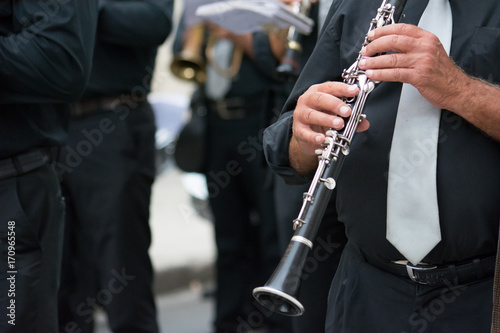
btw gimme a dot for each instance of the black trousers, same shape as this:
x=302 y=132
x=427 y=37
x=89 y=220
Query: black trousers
x=242 y=204
x=364 y=298
x=31 y=228
x=108 y=171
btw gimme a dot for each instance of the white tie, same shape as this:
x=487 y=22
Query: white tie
x=412 y=207
x=217 y=85
x=324 y=8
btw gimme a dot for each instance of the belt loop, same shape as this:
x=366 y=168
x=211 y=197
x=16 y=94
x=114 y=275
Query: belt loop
x=17 y=165
x=479 y=268
x=454 y=275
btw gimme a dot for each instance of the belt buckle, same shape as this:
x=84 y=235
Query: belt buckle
x=231 y=108
x=410 y=268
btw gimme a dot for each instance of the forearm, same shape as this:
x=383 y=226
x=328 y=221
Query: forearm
x=303 y=164
x=245 y=42
x=478 y=102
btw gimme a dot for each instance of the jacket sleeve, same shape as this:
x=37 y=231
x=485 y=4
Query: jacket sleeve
x=276 y=142
x=264 y=58
x=47 y=53
x=135 y=23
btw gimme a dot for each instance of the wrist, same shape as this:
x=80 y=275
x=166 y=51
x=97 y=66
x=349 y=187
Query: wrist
x=301 y=162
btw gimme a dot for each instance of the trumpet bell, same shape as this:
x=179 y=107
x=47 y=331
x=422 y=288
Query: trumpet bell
x=278 y=301
x=189 y=66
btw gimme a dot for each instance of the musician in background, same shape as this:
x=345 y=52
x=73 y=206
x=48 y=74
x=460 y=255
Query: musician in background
x=377 y=288
x=108 y=168
x=46 y=61
x=240 y=191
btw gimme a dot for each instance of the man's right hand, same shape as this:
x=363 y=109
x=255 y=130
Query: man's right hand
x=320 y=108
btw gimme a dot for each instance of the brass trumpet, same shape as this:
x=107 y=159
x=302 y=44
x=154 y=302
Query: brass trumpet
x=190 y=64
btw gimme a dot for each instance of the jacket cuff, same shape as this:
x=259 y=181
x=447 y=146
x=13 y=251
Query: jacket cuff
x=276 y=150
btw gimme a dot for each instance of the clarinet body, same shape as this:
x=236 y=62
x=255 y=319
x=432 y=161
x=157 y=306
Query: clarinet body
x=279 y=293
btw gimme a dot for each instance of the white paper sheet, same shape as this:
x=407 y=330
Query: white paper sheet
x=247 y=16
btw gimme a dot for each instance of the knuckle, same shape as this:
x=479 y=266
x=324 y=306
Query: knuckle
x=318 y=98
x=398 y=74
x=393 y=60
x=308 y=117
x=394 y=39
x=405 y=28
x=313 y=88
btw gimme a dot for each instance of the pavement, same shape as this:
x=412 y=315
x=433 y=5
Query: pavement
x=182 y=249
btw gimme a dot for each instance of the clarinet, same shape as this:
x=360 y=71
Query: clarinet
x=279 y=294
x=289 y=68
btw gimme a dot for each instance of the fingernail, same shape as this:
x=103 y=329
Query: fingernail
x=363 y=50
x=344 y=110
x=371 y=34
x=337 y=122
x=362 y=62
x=352 y=88
x=369 y=72
x=319 y=139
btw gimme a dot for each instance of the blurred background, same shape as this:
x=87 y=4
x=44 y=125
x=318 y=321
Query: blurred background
x=183 y=249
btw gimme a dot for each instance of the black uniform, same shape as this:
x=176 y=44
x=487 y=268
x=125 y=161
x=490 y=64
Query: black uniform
x=240 y=194
x=108 y=167
x=240 y=190
x=365 y=296
x=45 y=52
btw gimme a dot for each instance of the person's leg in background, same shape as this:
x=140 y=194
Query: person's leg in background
x=109 y=192
x=32 y=213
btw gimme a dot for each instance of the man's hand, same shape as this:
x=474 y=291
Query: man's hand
x=318 y=109
x=419 y=59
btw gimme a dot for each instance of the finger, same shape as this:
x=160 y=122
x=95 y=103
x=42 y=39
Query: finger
x=327 y=96
x=338 y=89
x=390 y=75
x=363 y=126
x=396 y=29
x=313 y=117
x=390 y=43
x=308 y=136
x=392 y=60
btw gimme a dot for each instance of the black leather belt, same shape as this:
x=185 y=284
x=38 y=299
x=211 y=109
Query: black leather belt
x=100 y=104
x=23 y=163
x=440 y=275
x=238 y=107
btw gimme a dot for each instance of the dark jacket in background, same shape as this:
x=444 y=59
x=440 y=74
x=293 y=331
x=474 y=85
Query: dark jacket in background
x=45 y=64
x=45 y=58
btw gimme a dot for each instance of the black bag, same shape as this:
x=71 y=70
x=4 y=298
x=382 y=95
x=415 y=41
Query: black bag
x=190 y=153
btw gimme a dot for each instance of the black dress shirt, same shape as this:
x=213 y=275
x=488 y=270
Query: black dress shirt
x=126 y=46
x=468 y=176
x=46 y=54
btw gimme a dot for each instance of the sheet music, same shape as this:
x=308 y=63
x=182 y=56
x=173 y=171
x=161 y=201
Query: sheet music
x=247 y=16
x=190 y=6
